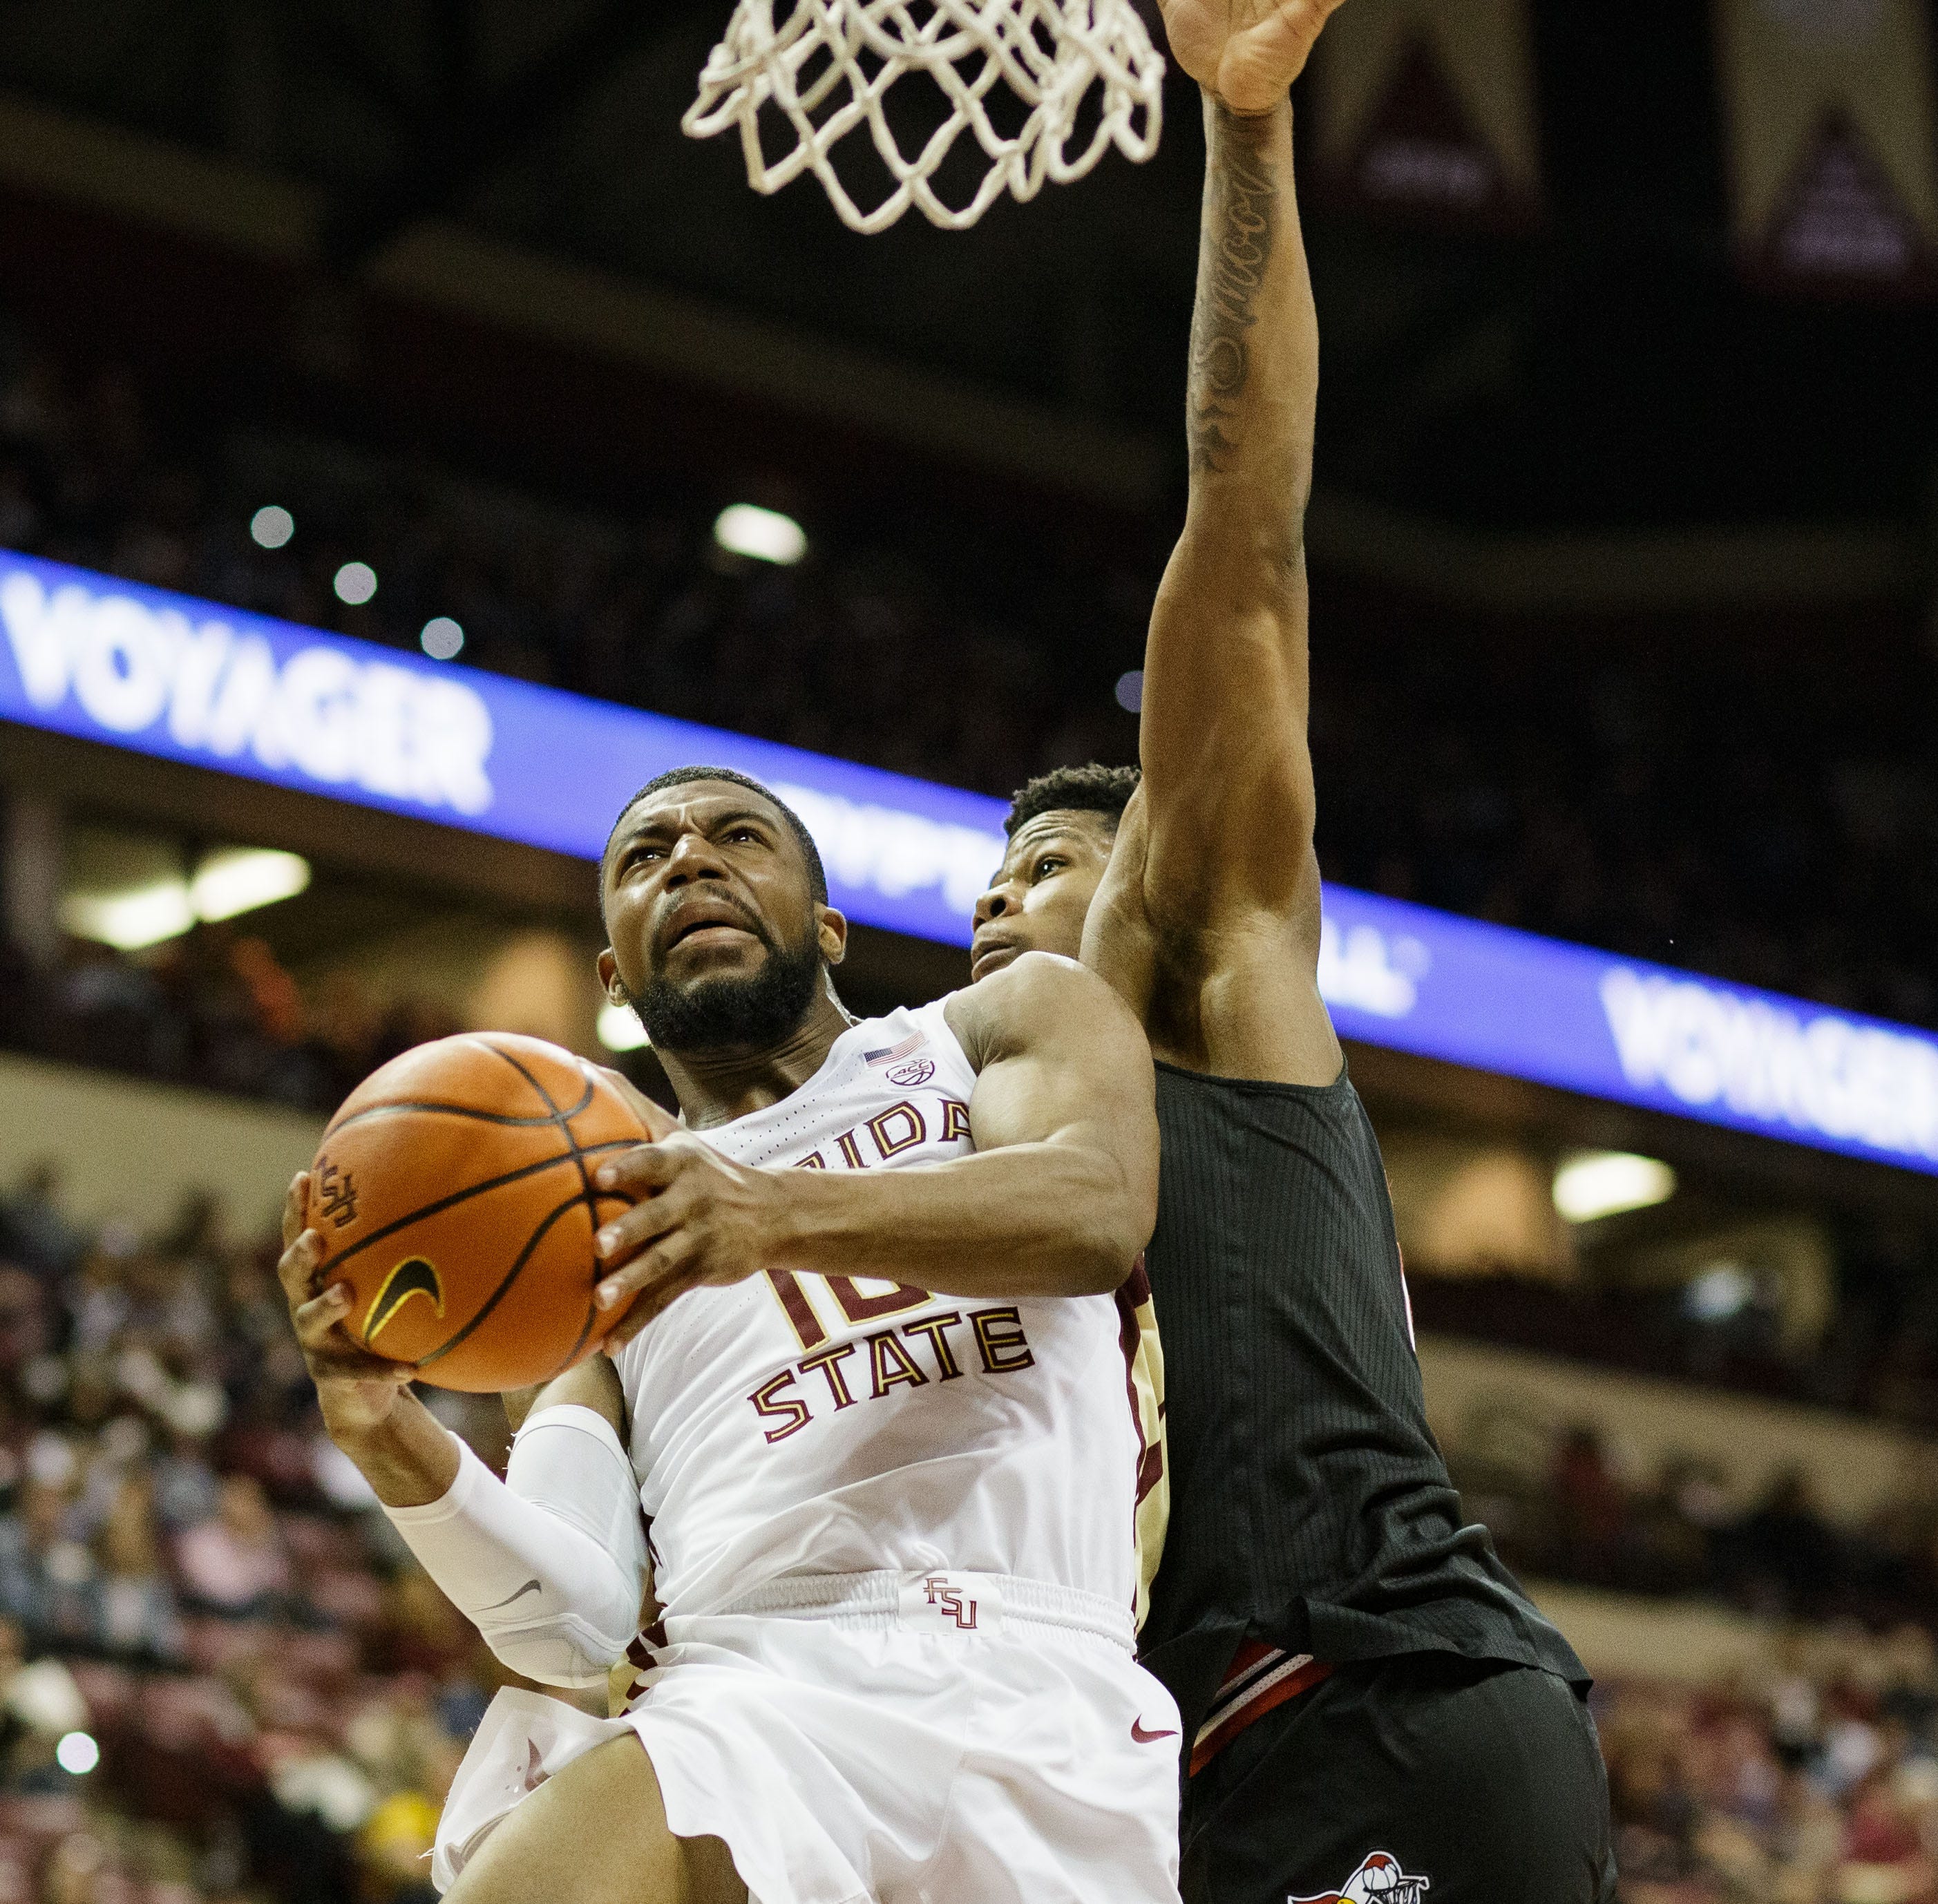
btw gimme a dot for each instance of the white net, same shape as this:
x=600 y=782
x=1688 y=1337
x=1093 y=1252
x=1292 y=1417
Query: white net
x=1015 y=74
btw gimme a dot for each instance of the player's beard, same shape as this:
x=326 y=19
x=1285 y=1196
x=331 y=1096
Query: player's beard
x=733 y=1014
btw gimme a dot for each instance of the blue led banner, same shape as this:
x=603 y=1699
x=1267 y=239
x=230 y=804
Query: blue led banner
x=1453 y=988
x=167 y=675
x=136 y=667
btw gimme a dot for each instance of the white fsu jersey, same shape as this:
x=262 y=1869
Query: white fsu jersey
x=794 y=1425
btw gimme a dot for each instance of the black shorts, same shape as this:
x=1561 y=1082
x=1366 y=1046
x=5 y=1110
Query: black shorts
x=1424 y=1779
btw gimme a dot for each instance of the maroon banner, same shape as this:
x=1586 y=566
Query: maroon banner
x=1425 y=110
x=1833 y=145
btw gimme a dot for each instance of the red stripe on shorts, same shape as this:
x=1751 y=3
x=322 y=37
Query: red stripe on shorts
x=1260 y=1679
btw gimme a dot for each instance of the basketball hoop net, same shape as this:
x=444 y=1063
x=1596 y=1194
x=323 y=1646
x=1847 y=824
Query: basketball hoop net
x=828 y=65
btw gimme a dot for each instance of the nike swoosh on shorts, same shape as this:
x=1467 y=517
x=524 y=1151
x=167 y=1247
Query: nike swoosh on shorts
x=529 y=1586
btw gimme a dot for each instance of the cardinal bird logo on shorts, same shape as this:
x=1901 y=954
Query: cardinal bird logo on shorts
x=412 y=1277
x=1379 y=1881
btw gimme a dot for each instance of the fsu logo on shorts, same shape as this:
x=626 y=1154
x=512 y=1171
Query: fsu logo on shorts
x=1379 y=1881
x=950 y=1602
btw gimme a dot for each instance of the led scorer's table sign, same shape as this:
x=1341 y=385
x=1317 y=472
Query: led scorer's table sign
x=168 y=675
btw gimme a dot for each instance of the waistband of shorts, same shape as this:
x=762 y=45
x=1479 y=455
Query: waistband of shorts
x=884 y=1597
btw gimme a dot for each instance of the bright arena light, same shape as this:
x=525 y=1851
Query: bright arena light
x=77 y=1753
x=1130 y=690
x=1715 y=1294
x=272 y=526
x=442 y=638
x=620 y=1029
x=744 y=529
x=239 y=879
x=131 y=918
x=1593 y=1183
x=355 y=583
x=232 y=879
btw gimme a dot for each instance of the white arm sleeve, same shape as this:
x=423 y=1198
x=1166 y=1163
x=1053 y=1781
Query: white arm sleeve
x=550 y=1563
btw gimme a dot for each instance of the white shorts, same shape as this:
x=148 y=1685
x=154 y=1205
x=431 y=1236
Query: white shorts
x=882 y=1739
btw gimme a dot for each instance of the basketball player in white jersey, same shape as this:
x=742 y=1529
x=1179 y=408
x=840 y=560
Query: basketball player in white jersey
x=870 y=1391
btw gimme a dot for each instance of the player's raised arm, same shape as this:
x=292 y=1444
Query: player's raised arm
x=1059 y=1198
x=1227 y=806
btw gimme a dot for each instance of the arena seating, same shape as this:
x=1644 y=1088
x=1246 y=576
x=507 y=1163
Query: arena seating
x=192 y=1577
x=1814 y=1780
x=1532 y=781
x=189 y=1575
x=212 y=1008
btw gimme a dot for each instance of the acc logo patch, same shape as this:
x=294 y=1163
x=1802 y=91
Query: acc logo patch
x=414 y=1276
x=1379 y=1881
x=917 y=1070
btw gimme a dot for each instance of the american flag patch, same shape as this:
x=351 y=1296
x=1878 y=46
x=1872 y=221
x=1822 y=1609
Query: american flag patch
x=896 y=1053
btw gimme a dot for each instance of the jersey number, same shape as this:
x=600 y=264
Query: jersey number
x=806 y=1324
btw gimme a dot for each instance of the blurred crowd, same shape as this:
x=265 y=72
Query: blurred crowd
x=221 y=1677
x=1759 y=802
x=1564 y=1505
x=213 y=1008
x=1874 y=1351
x=841 y=655
x=1812 y=1779
x=222 y=1681
x=1740 y=804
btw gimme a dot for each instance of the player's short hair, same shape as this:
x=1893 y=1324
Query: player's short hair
x=1091 y=789
x=680 y=776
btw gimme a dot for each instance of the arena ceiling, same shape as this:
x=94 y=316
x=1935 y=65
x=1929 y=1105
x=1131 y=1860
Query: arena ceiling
x=1607 y=371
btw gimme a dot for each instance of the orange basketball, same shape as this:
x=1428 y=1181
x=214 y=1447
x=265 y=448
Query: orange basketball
x=453 y=1193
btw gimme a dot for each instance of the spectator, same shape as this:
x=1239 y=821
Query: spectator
x=33 y=1232
x=186 y=1490
x=136 y=1616
x=1884 y=1856
x=235 y=1565
x=1788 y=1555
x=1592 y=1505
x=44 y=1573
x=1654 y=1814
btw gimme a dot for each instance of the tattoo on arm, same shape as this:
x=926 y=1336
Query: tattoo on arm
x=1239 y=230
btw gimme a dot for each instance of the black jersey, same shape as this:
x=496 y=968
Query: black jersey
x=1310 y=1506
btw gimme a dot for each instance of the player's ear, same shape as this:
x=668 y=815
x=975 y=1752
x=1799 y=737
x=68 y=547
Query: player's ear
x=609 y=980
x=831 y=931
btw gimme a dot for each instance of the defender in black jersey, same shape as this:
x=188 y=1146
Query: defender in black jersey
x=1374 y=1709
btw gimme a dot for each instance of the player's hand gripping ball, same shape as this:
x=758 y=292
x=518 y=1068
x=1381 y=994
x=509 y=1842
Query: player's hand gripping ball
x=453 y=1192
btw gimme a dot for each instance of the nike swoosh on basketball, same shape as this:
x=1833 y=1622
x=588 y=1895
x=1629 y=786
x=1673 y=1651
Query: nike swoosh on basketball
x=1140 y=1736
x=529 y=1586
